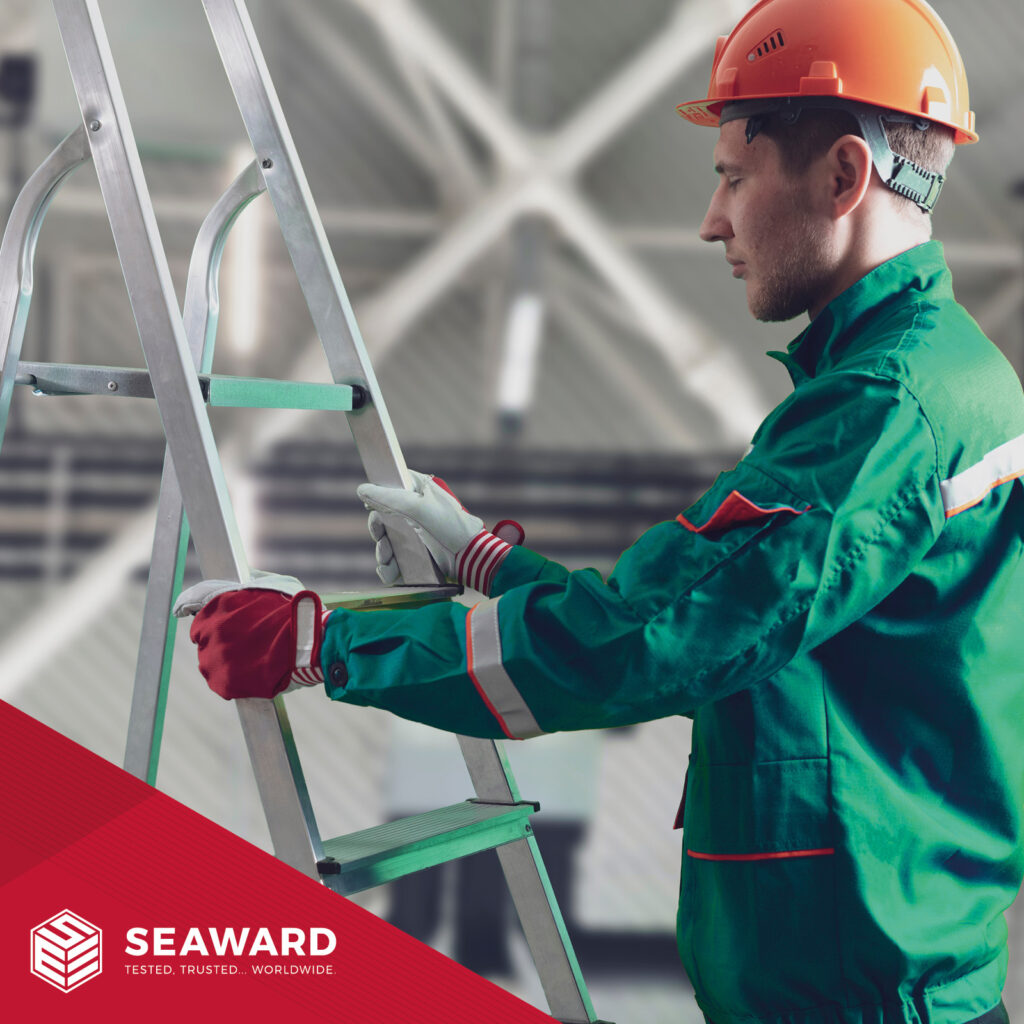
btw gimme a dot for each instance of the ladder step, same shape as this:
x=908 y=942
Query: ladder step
x=216 y=389
x=383 y=853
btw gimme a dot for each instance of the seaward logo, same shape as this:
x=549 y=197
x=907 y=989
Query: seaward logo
x=66 y=951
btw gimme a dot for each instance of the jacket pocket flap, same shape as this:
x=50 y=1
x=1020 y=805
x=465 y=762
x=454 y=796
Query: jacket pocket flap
x=737 y=510
x=758 y=811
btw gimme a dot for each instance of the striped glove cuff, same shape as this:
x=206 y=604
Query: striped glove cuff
x=478 y=561
x=309 y=623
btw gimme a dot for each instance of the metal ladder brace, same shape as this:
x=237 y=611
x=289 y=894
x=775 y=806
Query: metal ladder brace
x=179 y=354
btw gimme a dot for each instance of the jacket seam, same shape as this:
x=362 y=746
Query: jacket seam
x=881 y=372
x=957 y=980
x=861 y=1006
x=898 y=504
x=940 y=458
x=750 y=764
x=775 y=480
x=818 y=1006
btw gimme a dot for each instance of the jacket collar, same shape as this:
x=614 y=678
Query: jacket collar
x=840 y=325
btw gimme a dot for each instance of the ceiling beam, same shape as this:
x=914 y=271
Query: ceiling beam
x=597 y=347
x=537 y=178
x=686 y=39
x=330 y=45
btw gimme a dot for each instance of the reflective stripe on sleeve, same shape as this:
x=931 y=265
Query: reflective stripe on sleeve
x=487 y=670
x=999 y=466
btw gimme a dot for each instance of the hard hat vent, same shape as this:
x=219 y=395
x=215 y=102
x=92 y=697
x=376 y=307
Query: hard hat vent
x=769 y=45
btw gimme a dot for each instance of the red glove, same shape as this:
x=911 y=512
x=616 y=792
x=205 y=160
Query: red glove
x=257 y=643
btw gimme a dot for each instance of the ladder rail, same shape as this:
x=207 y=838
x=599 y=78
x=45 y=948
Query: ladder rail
x=314 y=263
x=376 y=442
x=193 y=457
x=171 y=536
x=276 y=766
x=536 y=906
x=156 y=643
x=281 y=783
x=150 y=289
x=546 y=935
x=186 y=425
x=17 y=255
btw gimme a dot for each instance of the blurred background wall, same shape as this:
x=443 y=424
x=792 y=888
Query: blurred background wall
x=513 y=204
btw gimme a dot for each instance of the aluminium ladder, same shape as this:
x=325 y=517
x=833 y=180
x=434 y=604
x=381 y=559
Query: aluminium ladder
x=178 y=351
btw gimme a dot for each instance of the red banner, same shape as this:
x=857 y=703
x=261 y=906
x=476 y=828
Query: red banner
x=116 y=900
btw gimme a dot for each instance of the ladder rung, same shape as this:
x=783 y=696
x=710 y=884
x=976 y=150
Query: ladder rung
x=216 y=389
x=381 y=854
x=255 y=393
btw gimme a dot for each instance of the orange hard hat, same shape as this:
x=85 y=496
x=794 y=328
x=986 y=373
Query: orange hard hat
x=895 y=54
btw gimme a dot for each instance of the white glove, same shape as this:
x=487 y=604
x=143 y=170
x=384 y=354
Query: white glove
x=192 y=599
x=456 y=539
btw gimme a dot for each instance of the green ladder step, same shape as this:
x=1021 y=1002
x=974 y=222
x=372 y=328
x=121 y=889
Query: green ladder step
x=362 y=860
x=217 y=389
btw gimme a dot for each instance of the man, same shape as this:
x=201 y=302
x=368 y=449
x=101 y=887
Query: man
x=837 y=613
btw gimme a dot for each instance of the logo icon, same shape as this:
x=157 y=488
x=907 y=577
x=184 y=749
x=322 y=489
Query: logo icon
x=66 y=951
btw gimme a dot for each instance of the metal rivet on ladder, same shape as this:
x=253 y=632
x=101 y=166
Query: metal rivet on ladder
x=95 y=126
x=111 y=385
x=267 y=164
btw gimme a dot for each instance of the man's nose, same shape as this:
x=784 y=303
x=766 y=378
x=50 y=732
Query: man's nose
x=716 y=227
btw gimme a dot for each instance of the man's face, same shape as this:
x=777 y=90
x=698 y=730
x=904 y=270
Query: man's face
x=772 y=237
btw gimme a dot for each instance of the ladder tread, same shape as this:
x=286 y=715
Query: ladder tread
x=385 y=852
x=216 y=388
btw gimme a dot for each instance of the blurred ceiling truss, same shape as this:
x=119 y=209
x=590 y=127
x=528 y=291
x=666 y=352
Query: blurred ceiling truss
x=607 y=292
x=532 y=176
x=537 y=175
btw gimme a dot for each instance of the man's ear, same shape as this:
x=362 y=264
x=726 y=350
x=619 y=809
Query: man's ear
x=849 y=168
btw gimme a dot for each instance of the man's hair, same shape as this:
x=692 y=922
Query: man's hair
x=801 y=143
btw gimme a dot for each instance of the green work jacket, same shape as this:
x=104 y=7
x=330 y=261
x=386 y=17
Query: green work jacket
x=842 y=614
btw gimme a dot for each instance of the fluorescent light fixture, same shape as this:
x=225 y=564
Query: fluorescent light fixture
x=522 y=347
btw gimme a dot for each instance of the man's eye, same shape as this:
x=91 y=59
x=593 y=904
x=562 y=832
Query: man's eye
x=733 y=182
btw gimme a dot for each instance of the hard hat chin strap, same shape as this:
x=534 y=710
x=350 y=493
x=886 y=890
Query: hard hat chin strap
x=900 y=174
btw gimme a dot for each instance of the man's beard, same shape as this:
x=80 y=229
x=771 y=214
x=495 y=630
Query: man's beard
x=797 y=279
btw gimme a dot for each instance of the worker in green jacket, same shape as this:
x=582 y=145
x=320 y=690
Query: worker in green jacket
x=839 y=613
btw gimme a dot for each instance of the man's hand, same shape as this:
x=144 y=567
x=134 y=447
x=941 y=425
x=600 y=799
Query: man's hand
x=258 y=639
x=456 y=539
